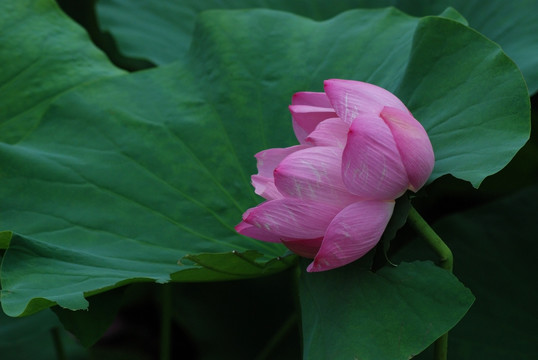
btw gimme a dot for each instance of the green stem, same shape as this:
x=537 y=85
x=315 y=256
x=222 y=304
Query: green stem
x=440 y=348
x=166 y=321
x=291 y=322
x=277 y=337
x=446 y=261
x=58 y=345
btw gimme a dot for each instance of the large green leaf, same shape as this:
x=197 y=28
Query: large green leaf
x=353 y=313
x=141 y=177
x=53 y=44
x=494 y=248
x=161 y=30
x=455 y=145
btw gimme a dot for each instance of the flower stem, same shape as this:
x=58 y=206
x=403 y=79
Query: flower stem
x=289 y=324
x=166 y=321
x=446 y=261
x=277 y=337
x=58 y=344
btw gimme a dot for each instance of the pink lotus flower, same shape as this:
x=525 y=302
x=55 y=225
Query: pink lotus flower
x=331 y=197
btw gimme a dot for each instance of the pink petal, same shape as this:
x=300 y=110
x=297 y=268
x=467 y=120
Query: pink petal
x=265 y=187
x=413 y=144
x=256 y=233
x=314 y=174
x=371 y=163
x=268 y=160
x=307 y=248
x=352 y=233
x=318 y=99
x=330 y=132
x=292 y=218
x=306 y=118
x=353 y=98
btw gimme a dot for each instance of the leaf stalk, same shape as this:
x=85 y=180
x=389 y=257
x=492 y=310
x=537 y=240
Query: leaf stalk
x=166 y=321
x=446 y=261
x=58 y=344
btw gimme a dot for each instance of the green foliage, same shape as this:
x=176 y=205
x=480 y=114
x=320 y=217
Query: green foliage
x=90 y=325
x=445 y=104
x=41 y=61
x=494 y=250
x=109 y=178
x=126 y=175
x=353 y=313
x=31 y=338
x=5 y=239
x=146 y=29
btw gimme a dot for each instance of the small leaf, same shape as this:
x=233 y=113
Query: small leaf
x=230 y=266
x=494 y=249
x=395 y=313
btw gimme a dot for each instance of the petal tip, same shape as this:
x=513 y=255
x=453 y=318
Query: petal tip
x=319 y=265
x=328 y=82
x=239 y=228
x=312 y=268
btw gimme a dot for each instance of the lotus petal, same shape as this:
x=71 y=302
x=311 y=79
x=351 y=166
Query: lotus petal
x=255 y=232
x=318 y=99
x=352 y=233
x=268 y=160
x=307 y=248
x=353 y=98
x=371 y=163
x=305 y=118
x=314 y=174
x=292 y=218
x=413 y=144
x=330 y=132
